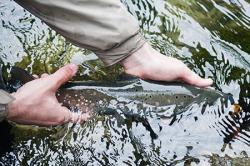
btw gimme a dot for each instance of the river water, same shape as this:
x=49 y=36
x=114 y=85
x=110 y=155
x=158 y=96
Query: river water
x=210 y=36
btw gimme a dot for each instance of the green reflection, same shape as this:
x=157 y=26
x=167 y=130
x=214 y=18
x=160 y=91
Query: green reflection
x=211 y=37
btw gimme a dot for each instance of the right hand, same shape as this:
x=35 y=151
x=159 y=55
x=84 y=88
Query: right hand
x=147 y=63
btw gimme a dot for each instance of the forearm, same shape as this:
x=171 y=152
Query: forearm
x=104 y=27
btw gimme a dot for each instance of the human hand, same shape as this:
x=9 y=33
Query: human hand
x=147 y=63
x=35 y=102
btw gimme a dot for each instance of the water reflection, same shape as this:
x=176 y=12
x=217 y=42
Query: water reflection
x=210 y=36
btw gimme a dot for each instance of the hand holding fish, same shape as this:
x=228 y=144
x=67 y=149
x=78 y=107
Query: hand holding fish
x=148 y=63
x=35 y=102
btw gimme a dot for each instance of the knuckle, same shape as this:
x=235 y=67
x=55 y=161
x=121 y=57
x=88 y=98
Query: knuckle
x=61 y=120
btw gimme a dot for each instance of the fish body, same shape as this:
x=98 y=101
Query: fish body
x=158 y=95
x=87 y=94
x=115 y=98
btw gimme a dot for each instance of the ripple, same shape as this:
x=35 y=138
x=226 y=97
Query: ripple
x=211 y=37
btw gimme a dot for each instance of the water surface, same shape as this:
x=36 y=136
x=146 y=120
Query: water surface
x=211 y=37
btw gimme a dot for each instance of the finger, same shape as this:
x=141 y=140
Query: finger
x=74 y=117
x=44 y=75
x=194 y=79
x=35 y=76
x=62 y=75
x=79 y=117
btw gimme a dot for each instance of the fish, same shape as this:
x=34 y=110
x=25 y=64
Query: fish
x=85 y=94
x=108 y=97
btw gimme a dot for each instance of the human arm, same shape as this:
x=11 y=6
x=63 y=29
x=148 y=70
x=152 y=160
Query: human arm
x=106 y=28
x=102 y=26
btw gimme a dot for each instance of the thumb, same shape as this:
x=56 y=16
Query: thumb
x=62 y=75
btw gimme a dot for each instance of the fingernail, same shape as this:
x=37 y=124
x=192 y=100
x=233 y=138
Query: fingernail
x=210 y=80
x=74 y=68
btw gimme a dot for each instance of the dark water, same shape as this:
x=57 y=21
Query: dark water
x=210 y=36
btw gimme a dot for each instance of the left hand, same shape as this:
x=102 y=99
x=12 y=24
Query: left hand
x=35 y=102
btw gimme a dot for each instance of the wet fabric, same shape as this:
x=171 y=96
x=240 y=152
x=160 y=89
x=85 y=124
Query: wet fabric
x=104 y=27
x=5 y=98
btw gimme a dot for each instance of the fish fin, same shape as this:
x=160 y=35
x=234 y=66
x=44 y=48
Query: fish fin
x=19 y=74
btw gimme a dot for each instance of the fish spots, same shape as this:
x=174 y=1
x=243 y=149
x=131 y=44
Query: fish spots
x=82 y=101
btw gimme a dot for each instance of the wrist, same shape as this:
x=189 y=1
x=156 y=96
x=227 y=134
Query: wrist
x=10 y=111
x=5 y=100
x=12 y=108
x=3 y=112
x=138 y=63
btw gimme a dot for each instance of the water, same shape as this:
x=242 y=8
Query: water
x=211 y=37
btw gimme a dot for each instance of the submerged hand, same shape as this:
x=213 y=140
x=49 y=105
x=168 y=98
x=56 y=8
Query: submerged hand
x=147 y=63
x=35 y=102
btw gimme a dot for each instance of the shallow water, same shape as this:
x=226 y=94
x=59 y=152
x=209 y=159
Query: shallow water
x=211 y=37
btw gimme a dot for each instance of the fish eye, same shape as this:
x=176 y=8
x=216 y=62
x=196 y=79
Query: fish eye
x=185 y=96
x=176 y=97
